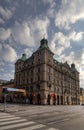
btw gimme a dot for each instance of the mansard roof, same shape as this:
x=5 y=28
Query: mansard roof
x=66 y=65
x=30 y=59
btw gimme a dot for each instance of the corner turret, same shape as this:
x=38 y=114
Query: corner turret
x=23 y=58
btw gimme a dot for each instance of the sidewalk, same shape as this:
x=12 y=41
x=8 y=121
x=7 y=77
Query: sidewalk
x=8 y=108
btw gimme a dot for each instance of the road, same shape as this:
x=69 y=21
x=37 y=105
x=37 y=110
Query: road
x=33 y=117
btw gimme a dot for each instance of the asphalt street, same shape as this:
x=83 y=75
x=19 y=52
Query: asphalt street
x=34 y=117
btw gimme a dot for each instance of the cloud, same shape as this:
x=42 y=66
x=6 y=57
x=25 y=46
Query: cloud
x=28 y=52
x=69 y=13
x=28 y=32
x=7 y=53
x=41 y=25
x=51 y=11
x=76 y=57
x=1 y=21
x=4 y=34
x=5 y=13
x=7 y=76
x=21 y=34
x=74 y=36
x=48 y=2
x=60 y=42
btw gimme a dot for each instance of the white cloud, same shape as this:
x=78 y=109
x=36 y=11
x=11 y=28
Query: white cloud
x=28 y=52
x=41 y=25
x=8 y=76
x=70 y=12
x=7 y=53
x=2 y=63
x=1 y=21
x=51 y=2
x=76 y=36
x=4 y=34
x=28 y=32
x=5 y=13
x=69 y=58
x=51 y=11
x=21 y=34
x=60 y=42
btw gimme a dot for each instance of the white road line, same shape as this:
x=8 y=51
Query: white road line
x=16 y=125
x=8 y=119
x=2 y=114
x=6 y=116
x=33 y=127
x=52 y=129
x=14 y=121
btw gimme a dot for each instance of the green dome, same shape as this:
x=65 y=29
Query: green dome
x=23 y=57
x=44 y=44
x=73 y=67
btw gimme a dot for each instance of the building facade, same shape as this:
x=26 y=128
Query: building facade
x=81 y=96
x=46 y=80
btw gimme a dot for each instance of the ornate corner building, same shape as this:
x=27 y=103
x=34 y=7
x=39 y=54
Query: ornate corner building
x=46 y=80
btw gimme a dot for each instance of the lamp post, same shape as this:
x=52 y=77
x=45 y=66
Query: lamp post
x=5 y=95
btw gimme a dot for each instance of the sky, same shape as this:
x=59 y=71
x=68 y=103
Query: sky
x=23 y=23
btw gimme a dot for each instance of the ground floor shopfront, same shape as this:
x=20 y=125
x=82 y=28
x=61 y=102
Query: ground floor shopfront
x=52 y=99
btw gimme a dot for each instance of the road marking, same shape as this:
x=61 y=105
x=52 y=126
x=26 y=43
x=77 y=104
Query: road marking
x=33 y=127
x=32 y=115
x=52 y=129
x=16 y=125
x=8 y=119
x=2 y=114
x=6 y=116
x=14 y=121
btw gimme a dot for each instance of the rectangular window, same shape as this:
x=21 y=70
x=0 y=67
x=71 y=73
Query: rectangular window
x=38 y=78
x=39 y=70
x=39 y=61
x=48 y=69
x=49 y=77
x=27 y=80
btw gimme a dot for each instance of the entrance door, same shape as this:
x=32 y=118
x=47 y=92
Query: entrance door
x=67 y=100
x=57 y=99
x=54 y=99
x=48 y=99
x=31 y=99
x=61 y=100
x=38 y=99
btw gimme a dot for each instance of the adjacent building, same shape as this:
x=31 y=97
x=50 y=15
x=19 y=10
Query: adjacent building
x=7 y=84
x=46 y=80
